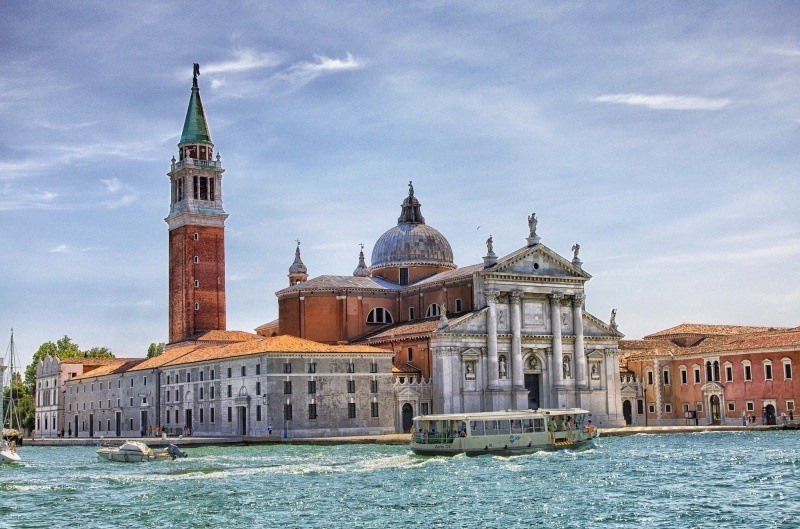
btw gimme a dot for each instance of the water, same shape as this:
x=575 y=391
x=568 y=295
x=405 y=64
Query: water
x=682 y=481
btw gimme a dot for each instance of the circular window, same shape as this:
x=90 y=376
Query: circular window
x=535 y=266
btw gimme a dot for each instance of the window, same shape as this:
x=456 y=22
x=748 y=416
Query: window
x=287 y=412
x=211 y=390
x=230 y=390
x=351 y=410
x=750 y=406
x=351 y=386
x=230 y=414
x=410 y=313
x=258 y=369
x=258 y=388
x=683 y=375
x=177 y=417
x=731 y=406
x=203 y=188
x=201 y=393
x=244 y=371
x=410 y=354
x=790 y=405
x=433 y=310
x=787 y=370
x=196 y=236
x=685 y=407
x=351 y=367
x=698 y=407
x=458 y=305
x=196 y=306
x=258 y=412
x=230 y=373
x=767 y=370
x=177 y=396
x=131 y=381
x=728 y=373
x=131 y=402
x=195 y=188
x=312 y=387
x=201 y=415
x=748 y=370
x=211 y=415
x=287 y=367
x=423 y=408
x=403 y=276
x=196 y=259
x=649 y=378
x=211 y=377
x=196 y=283
x=312 y=367
x=374 y=407
x=202 y=376
x=668 y=408
x=666 y=377
x=131 y=424
x=640 y=407
x=312 y=410
x=651 y=408
x=379 y=315
x=373 y=367
x=168 y=379
x=188 y=376
x=373 y=386
x=287 y=387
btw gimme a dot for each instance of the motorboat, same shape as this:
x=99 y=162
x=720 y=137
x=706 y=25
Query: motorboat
x=8 y=452
x=504 y=432
x=136 y=452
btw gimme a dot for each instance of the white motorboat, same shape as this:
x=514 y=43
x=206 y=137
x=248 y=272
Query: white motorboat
x=8 y=452
x=136 y=452
x=503 y=432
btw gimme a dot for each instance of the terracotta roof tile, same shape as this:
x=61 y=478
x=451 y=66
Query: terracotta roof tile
x=89 y=361
x=224 y=336
x=121 y=365
x=788 y=338
x=423 y=326
x=711 y=330
x=341 y=283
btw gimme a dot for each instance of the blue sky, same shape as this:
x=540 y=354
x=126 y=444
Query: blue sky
x=662 y=137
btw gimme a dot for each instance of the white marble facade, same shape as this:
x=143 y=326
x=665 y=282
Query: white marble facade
x=531 y=344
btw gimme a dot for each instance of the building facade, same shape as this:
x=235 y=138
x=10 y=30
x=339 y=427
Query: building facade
x=710 y=374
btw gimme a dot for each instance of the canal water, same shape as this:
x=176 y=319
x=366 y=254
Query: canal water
x=736 y=479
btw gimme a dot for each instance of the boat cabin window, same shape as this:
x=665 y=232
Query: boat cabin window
x=516 y=425
x=476 y=428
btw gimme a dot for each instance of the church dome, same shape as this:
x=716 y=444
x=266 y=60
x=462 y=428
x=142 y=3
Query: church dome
x=412 y=242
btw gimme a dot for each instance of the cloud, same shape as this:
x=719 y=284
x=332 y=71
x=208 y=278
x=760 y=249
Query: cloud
x=302 y=73
x=11 y=199
x=61 y=248
x=244 y=60
x=664 y=101
x=69 y=126
x=785 y=52
x=120 y=194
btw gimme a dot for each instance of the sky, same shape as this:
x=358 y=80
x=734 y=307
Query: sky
x=663 y=137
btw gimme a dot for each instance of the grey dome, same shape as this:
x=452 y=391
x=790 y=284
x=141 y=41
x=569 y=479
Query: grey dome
x=412 y=242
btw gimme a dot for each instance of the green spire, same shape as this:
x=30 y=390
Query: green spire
x=195 y=128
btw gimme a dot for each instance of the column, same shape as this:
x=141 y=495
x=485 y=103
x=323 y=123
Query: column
x=581 y=369
x=491 y=338
x=516 y=340
x=447 y=380
x=555 y=326
x=547 y=383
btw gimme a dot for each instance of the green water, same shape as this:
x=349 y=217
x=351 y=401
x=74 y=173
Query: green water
x=692 y=480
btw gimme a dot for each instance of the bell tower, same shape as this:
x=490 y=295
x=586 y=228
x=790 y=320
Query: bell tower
x=196 y=223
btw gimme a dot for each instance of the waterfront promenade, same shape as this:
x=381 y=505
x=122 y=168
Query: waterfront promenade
x=386 y=439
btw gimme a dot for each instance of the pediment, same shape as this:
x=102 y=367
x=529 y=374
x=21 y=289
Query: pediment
x=472 y=323
x=594 y=326
x=538 y=260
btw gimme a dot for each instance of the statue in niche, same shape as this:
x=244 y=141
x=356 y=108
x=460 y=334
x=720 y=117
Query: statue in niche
x=532 y=223
x=501 y=318
x=575 y=249
x=503 y=372
x=564 y=319
x=470 y=368
x=533 y=363
x=595 y=374
x=567 y=370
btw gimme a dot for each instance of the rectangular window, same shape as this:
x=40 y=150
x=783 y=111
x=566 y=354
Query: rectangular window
x=666 y=378
x=312 y=367
x=230 y=374
x=373 y=367
x=211 y=195
x=144 y=382
x=640 y=407
x=696 y=376
x=287 y=387
x=790 y=405
x=287 y=367
x=131 y=424
x=651 y=408
x=373 y=386
x=731 y=406
x=168 y=379
x=668 y=408
x=312 y=411
x=211 y=415
x=683 y=376
x=351 y=386
x=230 y=414
x=403 y=276
x=131 y=381
x=258 y=369
x=748 y=372
x=767 y=371
x=258 y=412
x=287 y=412
x=312 y=387
x=728 y=373
x=230 y=391
x=699 y=407
x=351 y=367
x=244 y=371
x=258 y=388
x=177 y=417
x=351 y=410
x=685 y=407
x=423 y=408
x=649 y=378
x=203 y=188
x=188 y=376
x=201 y=393
x=212 y=375
x=196 y=188
x=202 y=376
x=374 y=409
x=410 y=313
x=458 y=305
x=177 y=396
x=750 y=406
x=167 y=416
x=410 y=354
x=787 y=371
x=201 y=415
x=131 y=401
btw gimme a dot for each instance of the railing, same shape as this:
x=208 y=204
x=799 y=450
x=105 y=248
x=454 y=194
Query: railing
x=432 y=438
x=196 y=163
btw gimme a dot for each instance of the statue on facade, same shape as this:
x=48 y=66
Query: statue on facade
x=410 y=189
x=532 y=223
x=470 y=368
x=489 y=245
x=575 y=249
x=567 y=370
x=503 y=371
x=613 y=321
x=594 y=371
x=533 y=363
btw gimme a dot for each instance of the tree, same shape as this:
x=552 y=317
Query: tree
x=155 y=349
x=98 y=352
x=63 y=348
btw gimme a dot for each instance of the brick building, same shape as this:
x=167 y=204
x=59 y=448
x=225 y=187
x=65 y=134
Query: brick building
x=714 y=373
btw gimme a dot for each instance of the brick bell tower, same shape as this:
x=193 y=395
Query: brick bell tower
x=196 y=223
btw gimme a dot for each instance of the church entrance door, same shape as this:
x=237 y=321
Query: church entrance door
x=532 y=381
x=769 y=414
x=716 y=418
x=627 y=412
x=408 y=417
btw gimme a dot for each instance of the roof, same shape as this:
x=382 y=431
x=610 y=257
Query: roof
x=423 y=326
x=120 y=365
x=711 y=330
x=405 y=367
x=776 y=338
x=224 y=336
x=170 y=355
x=450 y=275
x=88 y=361
x=342 y=282
x=195 y=128
x=504 y=414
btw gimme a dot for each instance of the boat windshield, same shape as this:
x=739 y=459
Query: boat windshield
x=561 y=423
x=438 y=432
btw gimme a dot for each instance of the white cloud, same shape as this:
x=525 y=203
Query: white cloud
x=244 y=60
x=120 y=194
x=664 y=101
x=61 y=248
x=68 y=126
x=785 y=52
x=301 y=73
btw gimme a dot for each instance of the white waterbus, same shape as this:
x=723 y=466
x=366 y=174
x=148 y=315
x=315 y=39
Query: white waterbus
x=501 y=432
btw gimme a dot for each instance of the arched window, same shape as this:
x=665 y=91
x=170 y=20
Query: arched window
x=748 y=370
x=787 y=368
x=709 y=372
x=684 y=377
x=716 y=370
x=379 y=315
x=665 y=374
x=433 y=310
x=767 y=370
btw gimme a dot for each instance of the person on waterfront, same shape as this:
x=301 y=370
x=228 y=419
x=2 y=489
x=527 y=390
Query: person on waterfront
x=791 y=416
x=744 y=419
x=783 y=418
x=269 y=429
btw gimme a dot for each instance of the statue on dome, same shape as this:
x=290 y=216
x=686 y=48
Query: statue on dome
x=575 y=249
x=410 y=189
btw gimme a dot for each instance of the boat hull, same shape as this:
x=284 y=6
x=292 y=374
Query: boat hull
x=500 y=450
x=122 y=457
x=7 y=456
x=508 y=444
